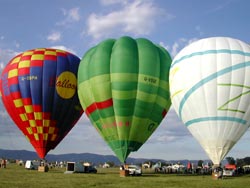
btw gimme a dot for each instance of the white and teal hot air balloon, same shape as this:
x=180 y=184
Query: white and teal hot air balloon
x=210 y=91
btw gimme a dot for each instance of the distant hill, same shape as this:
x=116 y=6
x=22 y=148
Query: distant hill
x=88 y=157
x=94 y=158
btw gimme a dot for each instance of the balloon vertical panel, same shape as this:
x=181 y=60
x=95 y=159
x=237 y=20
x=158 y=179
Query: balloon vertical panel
x=40 y=95
x=124 y=74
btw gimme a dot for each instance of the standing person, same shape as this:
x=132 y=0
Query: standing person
x=3 y=163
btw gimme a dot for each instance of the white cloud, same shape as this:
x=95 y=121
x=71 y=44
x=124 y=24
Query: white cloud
x=5 y=56
x=17 y=45
x=54 y=36
x=138 y=17
x=1 y=65
x=198 y=29
x=111 y=2
x=178 y=45
x=171 y=129
x=64 y=48
x=70 y=16
x=73 y=14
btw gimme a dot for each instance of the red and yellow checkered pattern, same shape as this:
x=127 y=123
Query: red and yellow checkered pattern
x=30 y=95
x=36 y=123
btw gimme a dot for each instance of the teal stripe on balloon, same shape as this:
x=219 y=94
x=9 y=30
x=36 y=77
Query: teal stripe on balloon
x=216 y=118
x=207 y=79
x=222 y=51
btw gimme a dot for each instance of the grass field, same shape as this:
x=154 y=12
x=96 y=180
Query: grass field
x=15 y=176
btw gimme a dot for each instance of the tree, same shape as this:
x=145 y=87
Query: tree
x=230 y=160
x=200 y=163
x=111 y=163
x=240 y=162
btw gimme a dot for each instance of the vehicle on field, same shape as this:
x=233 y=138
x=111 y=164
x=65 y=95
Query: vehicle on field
x=32 y=165
x=134 y=170
x=229 y=170
x=77 y=167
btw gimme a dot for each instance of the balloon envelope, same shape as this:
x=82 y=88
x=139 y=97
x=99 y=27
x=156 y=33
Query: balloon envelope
x=124 y=90
x=209 y=84
x=39 y=91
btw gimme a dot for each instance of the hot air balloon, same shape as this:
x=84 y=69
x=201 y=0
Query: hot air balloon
x=209 y=85
x=39 y=91
x=124 y=90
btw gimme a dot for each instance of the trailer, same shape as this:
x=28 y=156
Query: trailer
x=77 y=167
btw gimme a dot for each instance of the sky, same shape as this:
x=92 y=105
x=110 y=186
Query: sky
x=77 y=25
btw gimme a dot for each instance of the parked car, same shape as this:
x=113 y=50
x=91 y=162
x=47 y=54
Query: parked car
x=228 y=172
x=134 y=170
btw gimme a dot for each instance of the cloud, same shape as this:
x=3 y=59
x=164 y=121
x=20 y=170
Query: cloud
x=54 y=36
x=17 y=45
x=138 y=17
x=64 y=48
x=112 y=2
x=5 y=56
x=70 y=16
x=178 y=45
x=171 y=129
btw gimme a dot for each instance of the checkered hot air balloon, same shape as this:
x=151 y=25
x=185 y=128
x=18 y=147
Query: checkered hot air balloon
x=39 y=91
x=124 y=89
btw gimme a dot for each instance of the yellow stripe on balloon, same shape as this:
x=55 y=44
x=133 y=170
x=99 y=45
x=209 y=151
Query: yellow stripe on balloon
x=61 y=51
x=23 y=64
x=37 y=57
x=50 y=53
x=46 y=123
x=51 y=130
x=29 y=129
x=28 y=108
x=39 y=130
x=18 y=103
x=23 y=117
x=32 y=123
x=15 y=60
x=13 y=73
x=45 y=136
x=38 y=115
x=28 y=53
x=36 y=136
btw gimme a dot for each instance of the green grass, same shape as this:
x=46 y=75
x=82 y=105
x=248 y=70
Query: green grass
x=15 y=176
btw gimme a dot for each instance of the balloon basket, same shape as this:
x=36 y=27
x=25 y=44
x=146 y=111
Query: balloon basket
x=43 y=169
x=216 y=175
x=124 y=173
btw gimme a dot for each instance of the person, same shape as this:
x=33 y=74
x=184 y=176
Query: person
x=220 y=173
x=3 y=163
x=122 y=167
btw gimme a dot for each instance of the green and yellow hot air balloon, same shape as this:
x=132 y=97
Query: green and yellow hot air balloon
x=123 y=86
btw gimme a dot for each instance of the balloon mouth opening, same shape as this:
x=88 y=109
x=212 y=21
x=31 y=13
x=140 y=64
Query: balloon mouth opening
x=41 y=152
